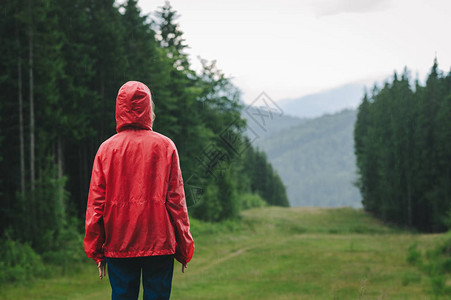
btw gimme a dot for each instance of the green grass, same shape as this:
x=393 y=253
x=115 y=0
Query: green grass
x=277 y=253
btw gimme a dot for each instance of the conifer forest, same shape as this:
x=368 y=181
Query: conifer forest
x=62 y=64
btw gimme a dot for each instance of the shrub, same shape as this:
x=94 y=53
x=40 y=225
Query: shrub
x=19 y=262
x=436 y=265
x=248 y=201
x=67 y=248
x=413 y=255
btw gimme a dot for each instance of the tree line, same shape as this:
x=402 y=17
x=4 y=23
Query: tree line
x=62 y=64
x=403 y=149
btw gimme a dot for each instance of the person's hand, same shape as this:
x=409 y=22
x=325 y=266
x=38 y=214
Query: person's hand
x=183 y=268
x=101 y=266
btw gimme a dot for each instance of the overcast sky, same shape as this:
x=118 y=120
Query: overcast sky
x=290 y=48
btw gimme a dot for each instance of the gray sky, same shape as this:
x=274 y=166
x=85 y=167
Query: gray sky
x=292 y=48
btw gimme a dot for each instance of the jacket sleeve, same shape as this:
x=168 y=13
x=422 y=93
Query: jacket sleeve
x=94 y=227
x=178 y=212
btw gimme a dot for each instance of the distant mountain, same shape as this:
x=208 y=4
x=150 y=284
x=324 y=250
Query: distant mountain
x=314 y=158
x=327 y=102
x=262 y=122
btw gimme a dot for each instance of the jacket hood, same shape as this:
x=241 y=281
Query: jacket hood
x=133 y=106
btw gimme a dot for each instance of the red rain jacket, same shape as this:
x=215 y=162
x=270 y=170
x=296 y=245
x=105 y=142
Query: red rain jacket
x=136 y=203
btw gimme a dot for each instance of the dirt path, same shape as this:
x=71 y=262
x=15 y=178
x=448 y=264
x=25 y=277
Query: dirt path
x=220 y=260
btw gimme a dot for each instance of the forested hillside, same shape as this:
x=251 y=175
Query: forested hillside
x=403 y=148
x=315 y=160
x=62 y=64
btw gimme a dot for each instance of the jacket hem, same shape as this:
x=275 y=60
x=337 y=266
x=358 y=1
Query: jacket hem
x=139 y=253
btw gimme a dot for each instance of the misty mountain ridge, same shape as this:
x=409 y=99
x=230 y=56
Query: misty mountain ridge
x=330 y=101
x=314 y=157
x=262 y=121
x=309 y=141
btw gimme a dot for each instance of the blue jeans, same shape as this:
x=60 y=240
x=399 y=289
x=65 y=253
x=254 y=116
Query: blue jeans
x=125 y=273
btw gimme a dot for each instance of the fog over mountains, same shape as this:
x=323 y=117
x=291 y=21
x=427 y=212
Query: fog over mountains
x=331 y=101
x=313 y=156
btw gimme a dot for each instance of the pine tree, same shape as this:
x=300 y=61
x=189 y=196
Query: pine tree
x=171 y=37
x=360 y=145
x=441 y=191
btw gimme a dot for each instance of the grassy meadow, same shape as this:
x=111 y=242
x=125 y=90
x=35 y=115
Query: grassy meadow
x=277 y=253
